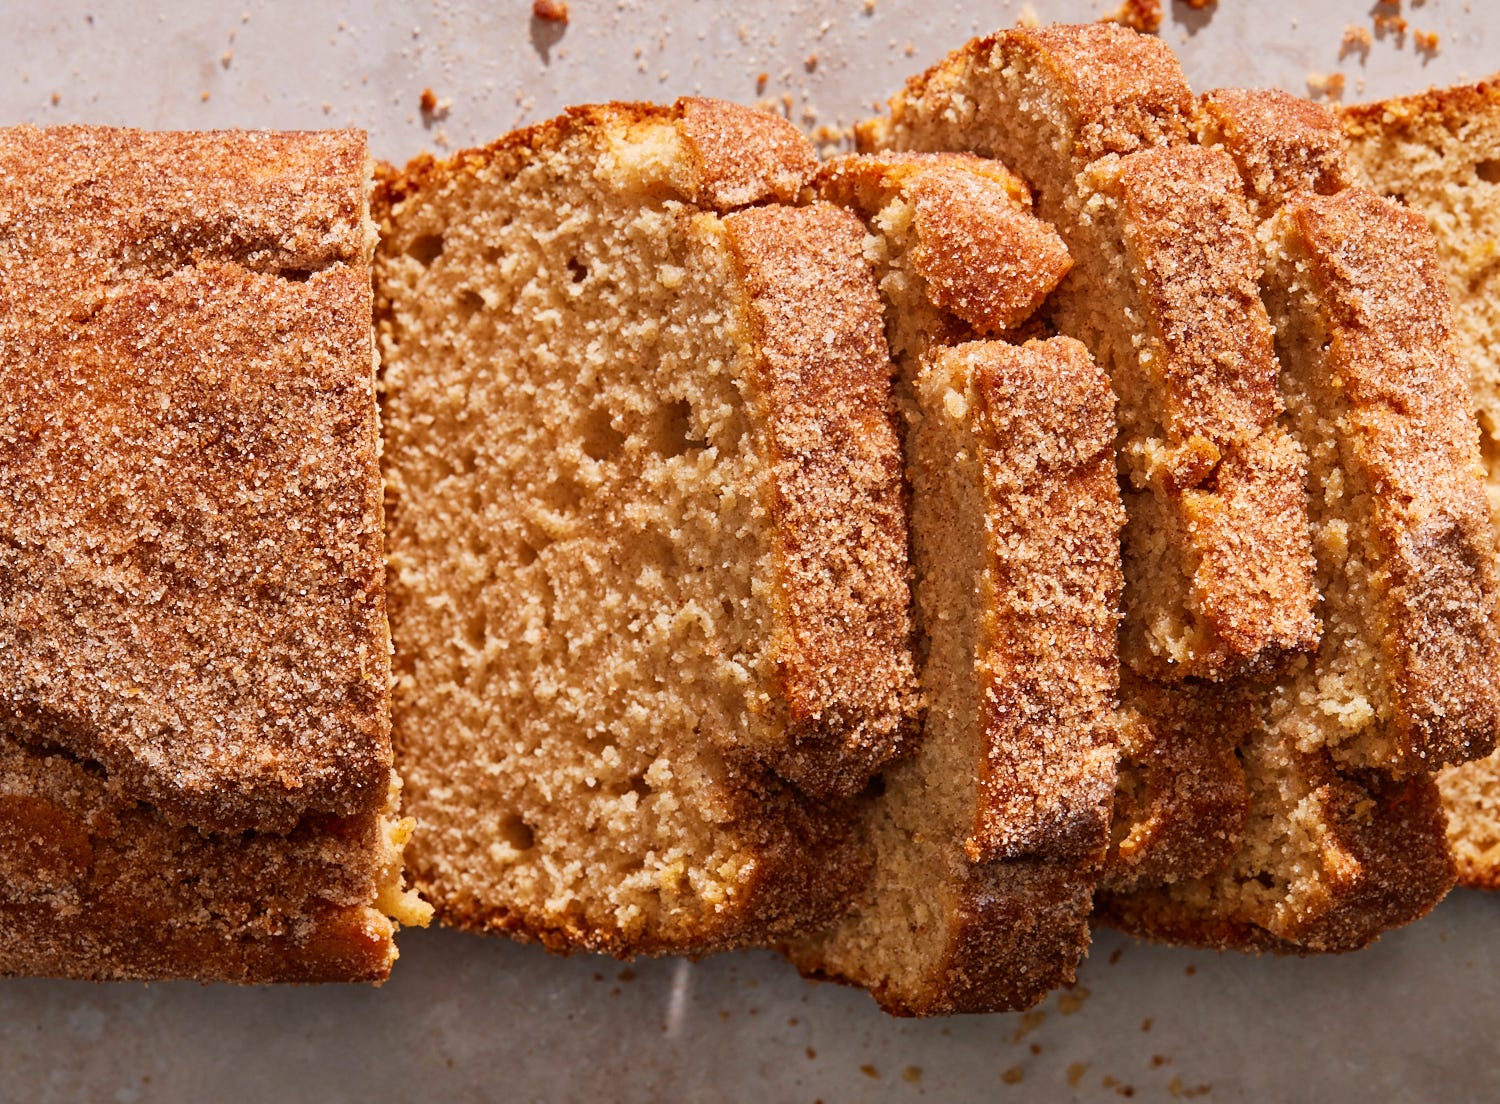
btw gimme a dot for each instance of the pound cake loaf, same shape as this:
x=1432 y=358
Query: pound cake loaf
x=647 y=530
x=989 y=838
x=195 y=759
x=1438 y=153
x=1165 y=293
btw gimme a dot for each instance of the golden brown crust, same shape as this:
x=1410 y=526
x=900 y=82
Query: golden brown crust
x=990 y=839
x=1381 y=847
x=1414 y=441
x=733 y=156
x=1125 y=90
x=197 y=391
x=1050 y=676
x=981 y=254
x=1408 y=114
x=742 y=156
x=193 y=650
x=95 y=884
x=1281 y=144
x=1229 y=476
x=839 y=511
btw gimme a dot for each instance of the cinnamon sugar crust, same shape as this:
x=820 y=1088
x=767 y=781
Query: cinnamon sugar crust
x=1282 y=144
x=1437 y=153
x=195 y=764
x=197 y=601
x=1410 y=437
x=823 y=369
x=980 y=253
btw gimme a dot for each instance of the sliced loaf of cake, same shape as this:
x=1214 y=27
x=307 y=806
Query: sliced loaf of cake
x=1439 y=153
x=647 y=530
x=1165 y=293
x=195 y=759
x=989 y=839
x=1403 y=678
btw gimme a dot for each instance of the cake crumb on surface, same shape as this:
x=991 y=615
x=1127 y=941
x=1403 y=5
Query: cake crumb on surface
x=1328 y=85
x=550 y=11
x=1141 y=15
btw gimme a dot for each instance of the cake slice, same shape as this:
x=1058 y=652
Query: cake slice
x=647 y=530
x=1438 y=152
x=989 y=839
x=1165 y=293
x=195 y=759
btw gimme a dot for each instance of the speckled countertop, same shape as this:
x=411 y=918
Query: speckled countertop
x=466 y=1019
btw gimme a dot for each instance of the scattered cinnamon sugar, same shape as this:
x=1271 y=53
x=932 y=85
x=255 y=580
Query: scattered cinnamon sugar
x=550 y=11
x=1141 y=15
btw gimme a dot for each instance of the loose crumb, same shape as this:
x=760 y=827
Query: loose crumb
x=1070 y=1001
x=870 y=1071
x=1075 y=1073
x=205 y=96
x=1426 y=42
x=433 y=107
x=1141 y=15
x=550 y=11
x=1328 y=85
x=1146 y=1024
x=1030 y=1021
x=912 y=1074
x=226 y=57
x=1356 y=40
x=1013 y=1076
x=56 y=98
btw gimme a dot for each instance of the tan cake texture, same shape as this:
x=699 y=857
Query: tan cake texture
x=195 y=762
x=1165 y=293
x=990 y=837
x=1438 y=152
x=1403 y=678
x=647 y=530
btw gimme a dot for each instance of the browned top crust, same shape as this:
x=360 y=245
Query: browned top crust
x=983 y=256
x=734 y=156
x=97 y=885
x=742 y=156
x=191 y=577
x=1404 y=114
x=1190 y=236
x=1413 y=438
x=1281 y=144
x=1051 y=674
x=823 y=375
x=1125 y=90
